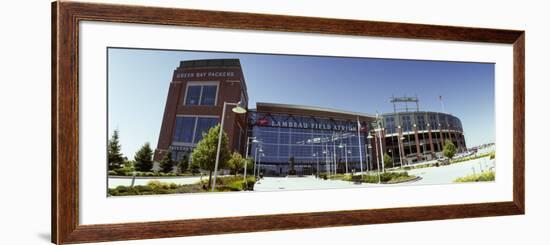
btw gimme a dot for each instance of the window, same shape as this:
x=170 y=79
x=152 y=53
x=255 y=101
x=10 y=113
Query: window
x=390 y=125
x=203 y=125
x=201 y=95
x=420 y=123
x=193 y=95
x=208 y=95
x=184 y=129
x=407 y=125
x=189 y=129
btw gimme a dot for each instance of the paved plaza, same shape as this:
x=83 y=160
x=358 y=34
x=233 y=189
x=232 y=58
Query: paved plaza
x=429 y=176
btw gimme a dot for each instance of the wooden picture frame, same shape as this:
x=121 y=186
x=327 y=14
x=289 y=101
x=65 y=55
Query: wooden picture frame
x=65 y=121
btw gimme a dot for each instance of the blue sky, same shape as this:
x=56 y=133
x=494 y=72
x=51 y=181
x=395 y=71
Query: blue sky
x=139 y=80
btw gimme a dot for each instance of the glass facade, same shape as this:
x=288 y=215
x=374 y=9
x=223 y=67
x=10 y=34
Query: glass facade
x=421 y=120
x=306 y=141
x=416 y=145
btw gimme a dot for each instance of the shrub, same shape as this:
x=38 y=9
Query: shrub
x=492 y=156
x=483 y=176
x=387 y=177
x=112 y=172
x=236 y=185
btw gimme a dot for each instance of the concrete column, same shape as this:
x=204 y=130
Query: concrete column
x=442 y=139
x=400 y=144
x=458 y=144
x=431 y=142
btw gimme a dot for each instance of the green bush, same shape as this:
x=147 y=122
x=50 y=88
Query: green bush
x=483 y=176
x=112 y=172
x=387 y=177
x=492 y=156
x=236 y=185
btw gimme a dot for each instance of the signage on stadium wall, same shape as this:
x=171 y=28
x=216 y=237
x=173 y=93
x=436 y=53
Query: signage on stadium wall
x=206 y=74
x=309 y=125
x=180 y=148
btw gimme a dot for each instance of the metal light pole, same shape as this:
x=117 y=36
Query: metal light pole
x=334 y=150
x=260 y=161
x=381 y=155
x=255 y=158
x=380 y=140
x=346 y=156
x=392 y=163
x=326 y=161
x=369 y=159
x=246 y=154
x=359 y=144
x=377 y=161
x=399 y=143
x=423 y=149
x=239 y=109
x=317 y=169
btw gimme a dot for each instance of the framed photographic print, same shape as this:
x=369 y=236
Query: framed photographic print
x=175 y=122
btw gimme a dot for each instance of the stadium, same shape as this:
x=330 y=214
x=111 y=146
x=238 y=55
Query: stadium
x=288 y=139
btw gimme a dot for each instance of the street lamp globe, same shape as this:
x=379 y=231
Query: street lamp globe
x=239 y=108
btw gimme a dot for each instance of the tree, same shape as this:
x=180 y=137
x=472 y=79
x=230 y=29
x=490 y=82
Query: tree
x=144 y=158
x=449 y=149
x=236 y=162
x=115 y=157
x=204 y=153
x=195 y=168
x=387 y=161
x=167 y=164
x=183 y=164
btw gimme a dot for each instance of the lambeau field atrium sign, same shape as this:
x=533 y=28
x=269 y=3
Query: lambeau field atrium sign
x=343 y=126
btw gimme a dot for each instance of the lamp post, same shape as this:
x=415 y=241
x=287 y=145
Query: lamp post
x=399 y=143
x=391 y=152
x=255 y=158
x=423 y=149
x=377 y=160
x=369 y=159
x=260 y=161
x=246 y=153
x=369 y=138
x=380 y=140
x=346 y=156
x=326 y=161
x=334 y=150
x=317 y=169
x=359 y=144
x=239 y=109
